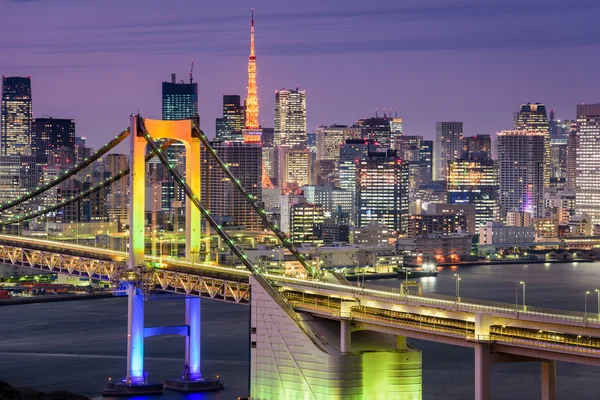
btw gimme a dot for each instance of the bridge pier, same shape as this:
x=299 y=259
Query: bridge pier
x=482 y=371
x=135 y=336
x=192 y=340
x=548 y=380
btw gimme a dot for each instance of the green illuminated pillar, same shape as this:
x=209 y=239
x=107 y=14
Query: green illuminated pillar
x=192 y=214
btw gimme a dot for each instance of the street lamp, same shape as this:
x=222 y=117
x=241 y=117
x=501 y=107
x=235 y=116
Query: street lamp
x=457 y=277
x=517 y=294
x=585 y=306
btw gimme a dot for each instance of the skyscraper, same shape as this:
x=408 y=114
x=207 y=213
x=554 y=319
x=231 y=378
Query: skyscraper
x=475 y=181
x=448 y=146
x=382 y=190
x=532 y=117
x=351 y=152
x=179 y=100
x=379 y=130
x=418 y=153
x=49 y=135
x=477 y=144
x=587 y=179
x=251 y=103
x=16 y=116
x=219 y=194
x=229 y=127
x=521 y=155
x=290 y=118
x=330 y=138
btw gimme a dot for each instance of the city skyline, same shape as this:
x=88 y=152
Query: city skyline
x=81 y=61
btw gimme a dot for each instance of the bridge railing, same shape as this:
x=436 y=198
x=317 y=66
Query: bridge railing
x=451 y=302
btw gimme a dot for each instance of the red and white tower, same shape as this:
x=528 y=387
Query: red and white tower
x=252 y=99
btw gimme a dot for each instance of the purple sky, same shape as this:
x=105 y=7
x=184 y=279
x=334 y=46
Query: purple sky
x=472 y=61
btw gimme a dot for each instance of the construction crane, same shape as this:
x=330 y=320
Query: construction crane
x=192 y=72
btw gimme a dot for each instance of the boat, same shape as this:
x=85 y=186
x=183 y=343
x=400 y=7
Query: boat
x=425 y=270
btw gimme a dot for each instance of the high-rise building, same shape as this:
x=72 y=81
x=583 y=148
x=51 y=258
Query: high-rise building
x=290 y=118
x=220 y=195
x=179 y=100
x=418 y=153
x=448 y=146
x=521 y=155
x=572 y=144
x=51 y=134
x=330 y=138
x=477 y=144
x=475 y=181
x=118 y=198
x=296 y=166
x=379 y=130
x=587 y=179
x=382 y=190
x=18 y=175
x=306 y=222
x=351 y=152
x=229 y=127
x=532 y=117
x=16 y=116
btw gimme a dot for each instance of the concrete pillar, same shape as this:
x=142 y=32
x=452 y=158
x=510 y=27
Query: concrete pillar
x=401 y=343
x=192 y=341
x=345 y=335
x=137 y=200
x=135 y=335
x=482 y=371
x=193 y=221
x=548 y=380
x=482 y=326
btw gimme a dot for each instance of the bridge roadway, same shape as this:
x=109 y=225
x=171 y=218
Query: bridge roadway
x=526 y=331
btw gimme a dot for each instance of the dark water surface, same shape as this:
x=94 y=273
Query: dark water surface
x=77 y=345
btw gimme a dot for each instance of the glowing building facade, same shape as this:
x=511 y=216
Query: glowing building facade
x=16 y=116
x=448 y=146
x=473 y=181
x=382 y=191
x=49 y=135
x=522 y=159
x=229 y=127
x=290 y=118
x=307 y=223
x=532 y=117
x=587 y=170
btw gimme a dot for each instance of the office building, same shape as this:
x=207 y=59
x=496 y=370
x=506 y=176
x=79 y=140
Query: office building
x=587 y=179
x=419 y=154
x=229 y=127
x=476 y=182
x=306 y=223
x=378 y=130
x=16 y=116
x=331 y=138
x=560 y=204
x=351 y=152
x=533 y=118
x=118 y=198
x=466 y=210
x=51 y=134
x=18 y=175
x=296 y=167
x=382 y=190
x=428 y=224
x=290 y=118
x=521 y=156
x=220 y=195
x=481 y=144
x=448 y=146
x=179 y=100
x=496 y=233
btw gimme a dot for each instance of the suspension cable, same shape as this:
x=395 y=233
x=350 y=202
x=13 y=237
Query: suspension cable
x=253 y=201
x=107 y=182
x=67 y=174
